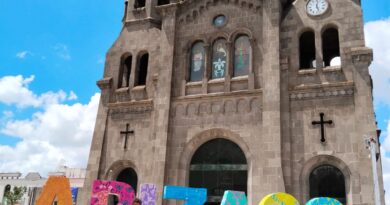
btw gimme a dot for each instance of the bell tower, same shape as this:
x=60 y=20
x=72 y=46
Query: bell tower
x=143 y=11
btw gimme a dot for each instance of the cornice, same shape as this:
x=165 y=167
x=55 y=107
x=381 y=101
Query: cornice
x=307 y=92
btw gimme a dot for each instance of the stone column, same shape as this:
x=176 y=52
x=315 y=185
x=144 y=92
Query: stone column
x=366 y=127
x=162 y=98
x=271 y=177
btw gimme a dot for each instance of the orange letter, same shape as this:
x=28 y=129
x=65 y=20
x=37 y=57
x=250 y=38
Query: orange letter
x=56 y=187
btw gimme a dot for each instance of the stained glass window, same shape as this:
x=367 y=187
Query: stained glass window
x=242 y=56
x=219 y=165
x=197 y=62
x=327 y=181
x=219 y=63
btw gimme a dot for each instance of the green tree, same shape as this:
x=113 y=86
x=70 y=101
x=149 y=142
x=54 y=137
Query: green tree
x=15 y=195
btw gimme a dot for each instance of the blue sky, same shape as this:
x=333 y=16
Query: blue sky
x=53 y=51
x=66 y=42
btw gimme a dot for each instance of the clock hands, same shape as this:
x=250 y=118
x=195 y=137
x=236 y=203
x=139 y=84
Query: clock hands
x=317 y=7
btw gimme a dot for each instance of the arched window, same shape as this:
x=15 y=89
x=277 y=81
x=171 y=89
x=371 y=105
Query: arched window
x=218 y=165
x=307 y=50
x=242 y=56
x=219 y=63
x=7 y=189
x=139 y=4
x=331 y=47
x=162 y=2
x=128 y=176
x=125 y=71
x=197 y=62
x=142 y=71
x=327 y=181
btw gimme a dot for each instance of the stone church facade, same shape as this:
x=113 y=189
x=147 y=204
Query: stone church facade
x=227 y=94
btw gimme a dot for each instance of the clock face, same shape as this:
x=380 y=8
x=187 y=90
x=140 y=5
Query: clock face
x=317 y=7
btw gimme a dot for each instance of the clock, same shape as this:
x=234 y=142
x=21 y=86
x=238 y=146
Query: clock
x=317 y=7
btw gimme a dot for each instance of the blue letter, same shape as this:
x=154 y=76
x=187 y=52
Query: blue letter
x=192 y=196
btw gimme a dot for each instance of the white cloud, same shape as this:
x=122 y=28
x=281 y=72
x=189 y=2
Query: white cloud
x=14 y=91
x=23 y=54
x=60 y=133
x=385 y=156
x=72 y=96
x=62 y=51
x=377 y=33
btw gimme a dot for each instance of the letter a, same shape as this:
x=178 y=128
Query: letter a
x=56 y=186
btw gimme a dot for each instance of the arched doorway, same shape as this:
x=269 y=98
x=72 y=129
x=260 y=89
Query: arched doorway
x=6 y=189
x=219 y=165
x=128 y=176
x=327 y=181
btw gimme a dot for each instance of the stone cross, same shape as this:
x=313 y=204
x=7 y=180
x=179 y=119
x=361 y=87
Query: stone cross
x=126 y=133
x=322 y=122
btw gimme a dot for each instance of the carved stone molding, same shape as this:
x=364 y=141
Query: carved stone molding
x=361 y=55
x=119 y=110
x=235 y=94
x=228 y=106
x=194 y=9
x=322 y=91
x=104 y=83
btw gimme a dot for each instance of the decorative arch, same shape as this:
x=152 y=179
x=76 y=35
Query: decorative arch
x=239 y=32
x=189 y=6
x=119 y=171
x=333 y=25
x=203 y=137
x=218 y=165
x=317 y=161
x=218 y=35
x=7 y=188
x=114 y=170
x=303 y=30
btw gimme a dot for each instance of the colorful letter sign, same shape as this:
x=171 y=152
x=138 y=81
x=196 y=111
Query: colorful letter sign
x=56 y=186
x=101 y=190
x=192 y=196
x=148 y=194
x=279 y=199
x=234 y=198
x=323 y=201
